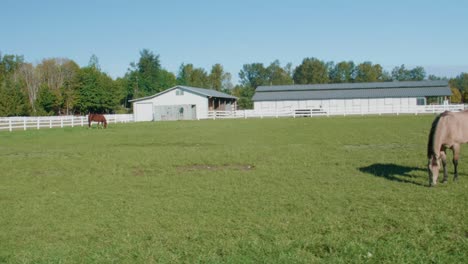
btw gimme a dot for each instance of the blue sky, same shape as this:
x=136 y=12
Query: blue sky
x=432 y=34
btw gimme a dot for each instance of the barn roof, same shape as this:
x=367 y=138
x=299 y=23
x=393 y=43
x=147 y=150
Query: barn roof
x=352 y=90
x=196 y=90
x=208 y=92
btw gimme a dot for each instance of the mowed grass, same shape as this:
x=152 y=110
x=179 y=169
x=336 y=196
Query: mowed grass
x=304 y=190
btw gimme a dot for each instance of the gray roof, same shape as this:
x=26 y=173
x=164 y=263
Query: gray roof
x=352 y=90
x=199 y=91
x=208 y=92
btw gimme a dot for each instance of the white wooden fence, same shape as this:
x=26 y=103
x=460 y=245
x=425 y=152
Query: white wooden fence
x=38 y=122
x=337 y=111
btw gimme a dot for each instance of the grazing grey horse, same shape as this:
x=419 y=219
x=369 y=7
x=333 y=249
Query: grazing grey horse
x=449 y=130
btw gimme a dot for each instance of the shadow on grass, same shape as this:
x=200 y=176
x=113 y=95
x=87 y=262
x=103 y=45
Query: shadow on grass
x=393 y=172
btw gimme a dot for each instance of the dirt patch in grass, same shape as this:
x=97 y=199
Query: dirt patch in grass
x=138 y=172
x=208 y=167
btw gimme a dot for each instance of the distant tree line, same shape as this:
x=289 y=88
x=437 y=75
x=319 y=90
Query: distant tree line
x=58 y=86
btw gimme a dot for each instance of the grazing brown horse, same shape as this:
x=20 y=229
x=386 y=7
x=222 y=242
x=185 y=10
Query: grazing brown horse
x=449 y=130
x=101 y=119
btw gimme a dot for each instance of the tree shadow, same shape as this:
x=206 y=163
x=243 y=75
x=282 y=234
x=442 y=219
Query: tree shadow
x=393 y=172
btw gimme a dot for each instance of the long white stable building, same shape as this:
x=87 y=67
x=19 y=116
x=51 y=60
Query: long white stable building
x=182 y=103
x=363 y=97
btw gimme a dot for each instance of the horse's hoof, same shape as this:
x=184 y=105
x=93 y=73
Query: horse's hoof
x=444 y=181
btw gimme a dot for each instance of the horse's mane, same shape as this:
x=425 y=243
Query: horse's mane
x=430 y=143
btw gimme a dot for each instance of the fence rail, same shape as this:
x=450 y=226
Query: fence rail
x=38 y=122
x=336 y=111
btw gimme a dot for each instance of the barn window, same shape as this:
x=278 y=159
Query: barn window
x=179 y=92
x=421 y=101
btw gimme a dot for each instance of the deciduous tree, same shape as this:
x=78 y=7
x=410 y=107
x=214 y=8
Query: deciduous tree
x=190 y=76
x=368 y=72
x=278 y=75
x=400 y=73
x=343 y=72
x=461 y=83
x=253 y=75
x=311 y=71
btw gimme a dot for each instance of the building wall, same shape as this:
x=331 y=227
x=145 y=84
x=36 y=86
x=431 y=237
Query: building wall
x=365 y=105
x=172 y=98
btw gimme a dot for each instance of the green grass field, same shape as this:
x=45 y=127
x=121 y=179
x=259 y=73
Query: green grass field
x=304 y=190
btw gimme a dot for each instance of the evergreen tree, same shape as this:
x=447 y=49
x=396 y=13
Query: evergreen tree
x=47 y=102
x=13 y=102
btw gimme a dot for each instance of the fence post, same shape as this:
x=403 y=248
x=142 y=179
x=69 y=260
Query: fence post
x=82 y=118
x=50 y=122
x=245 y=115
x=24 y=123
x=9 y=125
x=38 y=122
x=72 y=122
x=61 y=122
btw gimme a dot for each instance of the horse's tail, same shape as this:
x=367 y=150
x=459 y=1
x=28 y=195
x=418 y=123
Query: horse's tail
x=430 y=143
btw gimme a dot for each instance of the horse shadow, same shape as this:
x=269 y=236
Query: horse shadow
x=393 y=172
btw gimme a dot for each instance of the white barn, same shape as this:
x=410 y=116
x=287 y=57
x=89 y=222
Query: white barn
x=182 y=103
x=364 y=97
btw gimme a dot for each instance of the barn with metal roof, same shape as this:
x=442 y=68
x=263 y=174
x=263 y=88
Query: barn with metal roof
x=182 y=103
x=365 y=96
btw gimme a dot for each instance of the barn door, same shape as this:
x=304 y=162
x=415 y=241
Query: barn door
x=144 y=112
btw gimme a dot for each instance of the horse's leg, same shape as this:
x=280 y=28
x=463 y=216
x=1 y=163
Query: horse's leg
x=456 y=156
x=443 y=157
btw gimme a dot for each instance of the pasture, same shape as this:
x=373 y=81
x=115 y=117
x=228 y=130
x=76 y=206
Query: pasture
x=304 y=190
